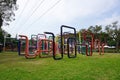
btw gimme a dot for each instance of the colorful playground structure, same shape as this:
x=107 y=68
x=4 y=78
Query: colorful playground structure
x=68 y=43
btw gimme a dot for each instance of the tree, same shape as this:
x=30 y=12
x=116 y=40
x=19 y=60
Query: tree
x=1 y=36
x=96 y=30
x=1 y=21
x=7 y=14
x=2 y=33
x=114 y=31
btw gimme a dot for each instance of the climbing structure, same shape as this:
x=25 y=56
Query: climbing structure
x=99 y=46
x=88 y=39
x=28 y=52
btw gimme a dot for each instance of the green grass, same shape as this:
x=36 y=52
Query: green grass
x=96 y=67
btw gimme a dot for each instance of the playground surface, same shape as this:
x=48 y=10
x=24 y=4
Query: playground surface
x=96 y=67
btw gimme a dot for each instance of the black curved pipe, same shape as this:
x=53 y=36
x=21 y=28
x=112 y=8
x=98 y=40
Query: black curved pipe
x=68 y=51
x=64 y=26
x=54 y=56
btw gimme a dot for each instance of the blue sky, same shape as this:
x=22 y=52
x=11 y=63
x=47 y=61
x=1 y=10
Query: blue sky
x=77 y=13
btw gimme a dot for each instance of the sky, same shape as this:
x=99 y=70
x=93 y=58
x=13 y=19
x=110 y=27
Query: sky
x=38 y=16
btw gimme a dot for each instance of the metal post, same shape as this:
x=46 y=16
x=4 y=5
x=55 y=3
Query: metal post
x=4 y=41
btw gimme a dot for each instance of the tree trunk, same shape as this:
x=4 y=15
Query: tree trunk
x=1 y=21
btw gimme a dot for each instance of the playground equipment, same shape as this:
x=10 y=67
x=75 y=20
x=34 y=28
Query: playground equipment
x=45 y=46
x=58 y=42
x=88 y=42
x=99 y=46
x=21 y=46
x=53 y=46
x=33 y=41
x=38 y=45
x=79 y=42
x=71 y=42
x=85 y=43
x=30 y=52
x=102 y=46
x=67 y=43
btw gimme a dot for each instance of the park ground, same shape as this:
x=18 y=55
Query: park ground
x=96 y=67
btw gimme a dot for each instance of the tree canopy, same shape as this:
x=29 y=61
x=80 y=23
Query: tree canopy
x=114 y=32
x=110 y=36
x=7 y=8
x=95 y=29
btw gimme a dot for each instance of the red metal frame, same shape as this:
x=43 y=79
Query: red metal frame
x=102 y=46
x=27 y=55
x=46 y=49
x=92 y=40
x=100 y=49
x=97 y=41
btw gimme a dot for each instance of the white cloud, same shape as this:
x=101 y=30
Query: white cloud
x=70 y=9
x=63 y=13
x=109 y=20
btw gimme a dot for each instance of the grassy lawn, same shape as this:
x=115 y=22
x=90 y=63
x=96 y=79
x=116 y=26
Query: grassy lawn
x=96 y=67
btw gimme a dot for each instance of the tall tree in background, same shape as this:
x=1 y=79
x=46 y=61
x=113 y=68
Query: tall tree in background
x=2 y=33
x=1 y=21
x=7 y=8
x=96 y=30
x=114 y=31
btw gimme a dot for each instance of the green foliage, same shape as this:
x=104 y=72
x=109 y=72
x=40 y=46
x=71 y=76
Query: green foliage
x=103 y=36
x=114 y=32
x=98 y=33
x=111 y=43
x=111 y=36
x=96 y=67
x=6 y=11
x=95 y=29
x=2 y=33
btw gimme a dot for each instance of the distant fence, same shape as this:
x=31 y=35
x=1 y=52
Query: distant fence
x=108 y=50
